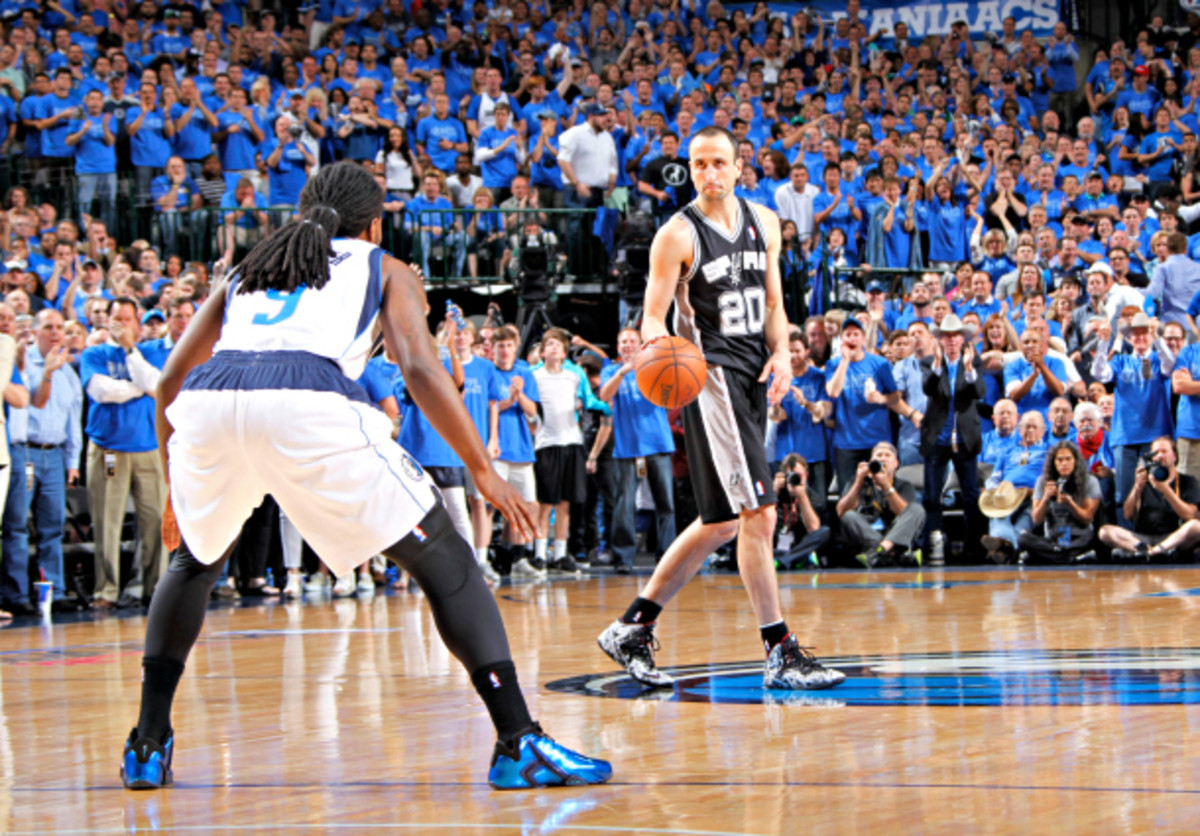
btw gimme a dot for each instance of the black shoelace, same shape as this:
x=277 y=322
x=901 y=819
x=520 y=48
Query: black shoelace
x=642 y=645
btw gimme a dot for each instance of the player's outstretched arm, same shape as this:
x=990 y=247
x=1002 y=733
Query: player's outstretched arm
x=194 y=347
x=670 y=256
x=406 y=334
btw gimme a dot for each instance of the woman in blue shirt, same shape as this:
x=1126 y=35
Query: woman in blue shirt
x=945 y=219
x=835 y=208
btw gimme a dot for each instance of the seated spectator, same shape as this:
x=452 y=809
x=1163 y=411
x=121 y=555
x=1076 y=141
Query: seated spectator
x=1162 y=507
x=173 y=193
x=880 y=515
x=800 y=536
x=1065 y=500
x=1034 y=379
x=485 y=237
x=1059 y=425
x=1020 y=468
x=439 y=234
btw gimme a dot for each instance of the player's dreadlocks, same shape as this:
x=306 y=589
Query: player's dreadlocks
x=341 y=201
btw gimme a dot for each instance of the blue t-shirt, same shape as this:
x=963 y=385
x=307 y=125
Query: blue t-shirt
x=382 y=378
x=125 y=427
x=640 y=428
x=286 y=179
x=161 y=184
x=861 y=425
x=1187 y=421
x=245 y=219
x=482 y=385
x=193 y=141
x=1142 y=409
x=798 y=433
x=92 y=154
x=1021 y=465
x=430 y=133
x=499 y=171
x=33 y=137
x=1039 y=396
x=995 y=447
x=54 y=138
x=516 y=440
x=948 y=236
x=150 y=146
x=236 y=149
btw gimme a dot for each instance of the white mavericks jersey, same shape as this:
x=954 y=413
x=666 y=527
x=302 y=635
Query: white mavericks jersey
x=335 y=322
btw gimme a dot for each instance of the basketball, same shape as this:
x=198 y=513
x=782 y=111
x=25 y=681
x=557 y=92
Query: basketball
x=671 y=372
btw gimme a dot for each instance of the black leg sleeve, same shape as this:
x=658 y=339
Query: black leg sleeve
x=178 y=606
x=464 y=609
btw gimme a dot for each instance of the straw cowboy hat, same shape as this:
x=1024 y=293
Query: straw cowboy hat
x=951 y=324
x=1140 y=320
x=1002 y=500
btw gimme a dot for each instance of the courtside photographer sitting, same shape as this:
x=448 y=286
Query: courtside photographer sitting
x=800 y=536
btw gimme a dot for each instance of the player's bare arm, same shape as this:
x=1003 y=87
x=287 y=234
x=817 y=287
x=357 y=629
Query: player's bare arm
x=406 y=334
x=194 y=347
x=670 y=258
x=775 y=329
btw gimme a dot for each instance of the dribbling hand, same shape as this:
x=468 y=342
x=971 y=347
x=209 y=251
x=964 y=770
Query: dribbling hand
x=505 y=499
x=170 y=527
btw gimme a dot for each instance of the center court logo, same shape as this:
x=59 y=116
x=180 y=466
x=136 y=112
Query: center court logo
x=1120 y=676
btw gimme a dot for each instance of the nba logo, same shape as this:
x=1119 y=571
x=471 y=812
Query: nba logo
x=753 y=234
x=758 y=487
x=420 y=534
x=495 y=680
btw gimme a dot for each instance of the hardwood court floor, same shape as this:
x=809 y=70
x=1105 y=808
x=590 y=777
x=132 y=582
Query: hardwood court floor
x=1062 y=702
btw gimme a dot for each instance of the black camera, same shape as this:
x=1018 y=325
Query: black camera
x=1158 y=471
x=295 y=131
x=875 y=467
x=794 y=480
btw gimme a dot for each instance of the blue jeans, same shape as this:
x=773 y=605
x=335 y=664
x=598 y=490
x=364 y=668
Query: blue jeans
x=103 y=186
x=49 y=502
x=1008 y=528
x=455 y=244
x=170 y=224
x=1126 y=462
x=14 y=578
x=623 y=541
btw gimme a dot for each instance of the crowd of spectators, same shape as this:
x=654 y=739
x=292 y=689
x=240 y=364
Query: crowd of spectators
x=1003 y=223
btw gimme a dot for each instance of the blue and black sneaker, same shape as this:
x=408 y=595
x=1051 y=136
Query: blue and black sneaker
x=537 y=761
x=146 y=764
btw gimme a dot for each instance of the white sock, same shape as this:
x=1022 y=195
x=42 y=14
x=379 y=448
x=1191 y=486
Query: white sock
x=560 y=549
x=539 y=548
x=481 y=555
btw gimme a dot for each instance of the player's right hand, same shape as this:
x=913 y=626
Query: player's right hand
x=170 y=527
x=505 y=499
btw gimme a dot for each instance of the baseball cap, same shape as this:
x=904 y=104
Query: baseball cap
x=852 y=322
x=876 y=286
x=1141 y=71
x=587 y=92
x=153 y=313
x=90 y=261
x=12 y=266
x=1100 y=267
x=595 y=109
x=768 y=96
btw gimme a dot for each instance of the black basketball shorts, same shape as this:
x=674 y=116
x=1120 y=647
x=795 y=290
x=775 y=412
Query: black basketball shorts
x=724 y=433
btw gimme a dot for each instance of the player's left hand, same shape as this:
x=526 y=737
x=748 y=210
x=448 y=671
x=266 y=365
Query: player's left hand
x=779 y=371
x=170 y=527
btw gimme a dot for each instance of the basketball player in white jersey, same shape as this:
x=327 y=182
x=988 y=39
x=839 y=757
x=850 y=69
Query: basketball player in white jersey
x=718 y=260
x=259 y=397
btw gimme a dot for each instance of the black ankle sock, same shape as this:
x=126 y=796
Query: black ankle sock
x=773 y=634
x=498 y=688
x=641 y=611
x=159 y=680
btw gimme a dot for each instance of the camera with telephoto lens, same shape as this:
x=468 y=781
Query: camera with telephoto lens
x=1157 y=470
x=875 y=467
x=794 y=480
x=295 y=131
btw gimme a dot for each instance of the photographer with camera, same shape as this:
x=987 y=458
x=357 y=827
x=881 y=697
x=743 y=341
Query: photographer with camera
x=879 y=513
x=288 y=163
x=1065 y=500
x=1162 y=506
x=799 y=535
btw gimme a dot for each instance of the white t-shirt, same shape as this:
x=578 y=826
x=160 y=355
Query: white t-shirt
x=559 y=393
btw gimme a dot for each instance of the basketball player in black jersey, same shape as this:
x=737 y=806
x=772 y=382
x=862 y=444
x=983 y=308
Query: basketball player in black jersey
x=718 y=260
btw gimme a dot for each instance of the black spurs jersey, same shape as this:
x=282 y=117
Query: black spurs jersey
x=721 y=302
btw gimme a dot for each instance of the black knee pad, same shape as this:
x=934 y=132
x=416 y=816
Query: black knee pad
x=439 y=560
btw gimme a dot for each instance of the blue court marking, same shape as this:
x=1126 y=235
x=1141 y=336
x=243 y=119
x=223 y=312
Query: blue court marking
x=1194 y=592
x=1130 y=676
x=815 y=584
